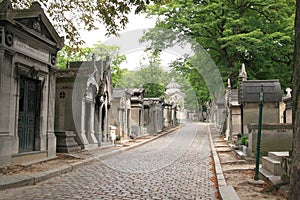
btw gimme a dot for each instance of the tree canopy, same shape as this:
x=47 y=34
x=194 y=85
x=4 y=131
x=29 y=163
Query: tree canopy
x=70 y=16
x=100 y=52
x=258 y=33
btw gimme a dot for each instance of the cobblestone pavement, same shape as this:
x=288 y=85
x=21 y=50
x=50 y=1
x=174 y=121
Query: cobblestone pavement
x=175 y=166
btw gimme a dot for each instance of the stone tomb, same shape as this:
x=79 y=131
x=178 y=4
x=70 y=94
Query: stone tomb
x=120 y=116
x=137 y=111
x=248 y=98
x=153 y=114
x=28 y=47
x=176 y=97
x=234 y=114
x=84 y=93
x=250 y=101
x=274 y=137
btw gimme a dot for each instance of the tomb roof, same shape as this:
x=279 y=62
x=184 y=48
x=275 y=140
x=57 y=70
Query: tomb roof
x=119 y=93
x=173 y=85
x=250 y=91
x=32 y=21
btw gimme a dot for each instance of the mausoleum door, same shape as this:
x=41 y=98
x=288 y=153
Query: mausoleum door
x=28 y=110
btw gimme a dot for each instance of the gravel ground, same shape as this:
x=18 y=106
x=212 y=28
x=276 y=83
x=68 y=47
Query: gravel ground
x=237 y=172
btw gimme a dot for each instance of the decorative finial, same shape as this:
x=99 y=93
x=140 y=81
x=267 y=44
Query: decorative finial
x=288 y=92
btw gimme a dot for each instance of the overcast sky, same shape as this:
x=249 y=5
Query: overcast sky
x=135 y=22
x=134 y=56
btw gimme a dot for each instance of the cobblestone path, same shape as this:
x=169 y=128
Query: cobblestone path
x=175 y=166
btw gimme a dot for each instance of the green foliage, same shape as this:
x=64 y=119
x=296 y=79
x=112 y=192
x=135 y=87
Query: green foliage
x=154 y=89
x=151 y=76
x=100 y=51
x=193 y=77
x=258 y=33
x=72 y=15
x=243 y=141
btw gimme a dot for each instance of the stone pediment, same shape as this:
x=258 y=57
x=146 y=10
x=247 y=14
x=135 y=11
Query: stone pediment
x=33 y=21
x=37 y=25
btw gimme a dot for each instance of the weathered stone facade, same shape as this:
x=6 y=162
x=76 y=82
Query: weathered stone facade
x=84 y=93
x=121 y=111
x=242 y=104
x=274 y=137
x=174 y=111
x=137 y=111
x=28 y=47
x=153 y=114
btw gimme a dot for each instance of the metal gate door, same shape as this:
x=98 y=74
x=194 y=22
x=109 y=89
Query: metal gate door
x=28 y=108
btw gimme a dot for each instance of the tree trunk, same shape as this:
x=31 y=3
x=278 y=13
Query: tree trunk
x=294 y=193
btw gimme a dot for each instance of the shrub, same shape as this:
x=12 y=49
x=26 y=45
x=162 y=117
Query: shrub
x=243 y=140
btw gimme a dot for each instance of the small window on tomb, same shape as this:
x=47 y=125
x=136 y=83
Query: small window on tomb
x=62 y=95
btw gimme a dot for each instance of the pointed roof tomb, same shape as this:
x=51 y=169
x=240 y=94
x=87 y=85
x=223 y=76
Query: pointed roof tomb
x=31 y=21
x=173 y=85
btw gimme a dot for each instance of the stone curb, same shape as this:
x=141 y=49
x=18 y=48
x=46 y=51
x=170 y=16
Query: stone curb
x=20 y=180
x=226 y=192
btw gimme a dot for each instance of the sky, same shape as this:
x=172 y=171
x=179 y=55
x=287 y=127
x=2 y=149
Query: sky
x=136 y=54
x=135 y=22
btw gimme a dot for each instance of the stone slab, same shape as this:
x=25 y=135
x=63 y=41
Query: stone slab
x=228 y=193
x=271 y=165
x=17 y=180
x=268 y=175
x=277 y=155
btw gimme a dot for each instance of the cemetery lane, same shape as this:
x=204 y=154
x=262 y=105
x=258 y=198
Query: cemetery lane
x=175 y=166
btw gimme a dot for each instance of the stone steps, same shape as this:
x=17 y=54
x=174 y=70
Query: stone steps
x=29 y=158
x=272 y=162
x=277 y=155
x=268 y=175
x=271 y=166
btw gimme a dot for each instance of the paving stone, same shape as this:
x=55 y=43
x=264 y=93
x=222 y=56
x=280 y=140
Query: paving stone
x=175 y=166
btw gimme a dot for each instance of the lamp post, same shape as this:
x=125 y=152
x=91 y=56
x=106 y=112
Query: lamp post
x=261 y=104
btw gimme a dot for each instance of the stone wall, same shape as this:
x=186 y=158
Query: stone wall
x=274 y=137
x=251 y=112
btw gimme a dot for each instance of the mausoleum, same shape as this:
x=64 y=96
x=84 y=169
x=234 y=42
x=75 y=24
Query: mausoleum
x=84 y=94
x=28 y=48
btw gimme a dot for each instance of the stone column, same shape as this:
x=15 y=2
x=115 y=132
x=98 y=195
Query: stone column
x=92 y=136
x=105 y=130
x=51 y=109
x=82 y=134
x=6 y=143
x=97 y=124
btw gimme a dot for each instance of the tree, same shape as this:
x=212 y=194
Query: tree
x=258 y=33
x=72 y=15
x=197 y=83
x=295 y=171
x=151 y=76
x=100 y=51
